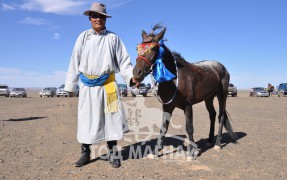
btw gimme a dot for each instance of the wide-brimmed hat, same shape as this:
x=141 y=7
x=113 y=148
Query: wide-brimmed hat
x=98 y=8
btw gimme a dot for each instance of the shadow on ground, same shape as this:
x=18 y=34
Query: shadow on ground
x=25 y=119
x=142 y=149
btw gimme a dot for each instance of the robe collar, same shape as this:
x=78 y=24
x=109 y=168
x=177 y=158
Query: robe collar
x=101 y=32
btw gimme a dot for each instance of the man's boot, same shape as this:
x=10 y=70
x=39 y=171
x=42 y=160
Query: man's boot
x=113 y=155
x=85 y=156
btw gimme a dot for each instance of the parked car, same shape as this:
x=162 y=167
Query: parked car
x=232 y=90
x=61 y=92
x=123 y=88
x=48 y=91
x=259 y=92
x=142 y=90
x=4 y=90
x=17 y=92
x=282 y=90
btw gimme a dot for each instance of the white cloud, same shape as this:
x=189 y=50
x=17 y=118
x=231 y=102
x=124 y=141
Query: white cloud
x=116 y=4
x=66 y=7
x=54 y=6
x=18 y=78
x=7 y=7
x=56 y=36
x=34 y=21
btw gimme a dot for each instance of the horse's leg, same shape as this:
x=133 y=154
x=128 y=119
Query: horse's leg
x=167 y=112
x=219 y=136
x=193 y=148
x=221 y=96
x=212 y=114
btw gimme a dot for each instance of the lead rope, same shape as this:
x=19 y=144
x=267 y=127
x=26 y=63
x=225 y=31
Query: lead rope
x=158 y=97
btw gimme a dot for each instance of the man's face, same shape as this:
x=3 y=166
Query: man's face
x=98 y=21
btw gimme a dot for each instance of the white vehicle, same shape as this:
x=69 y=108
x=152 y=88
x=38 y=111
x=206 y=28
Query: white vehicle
x=18 y=92
x=62 y=92
x=48 y=91
x=4 y=90
x=142 y=90
x=232 y=90
x=259 y=92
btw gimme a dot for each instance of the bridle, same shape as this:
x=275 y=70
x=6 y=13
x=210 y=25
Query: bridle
x=145 y=48
x=145 y=59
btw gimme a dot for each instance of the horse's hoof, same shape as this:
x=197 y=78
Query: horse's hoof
x=194 y=153
x=208 y=144
x=217 y=148
x=189 y=158
x=151 y=156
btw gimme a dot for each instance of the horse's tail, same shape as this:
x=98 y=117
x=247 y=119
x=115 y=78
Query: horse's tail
x=229 y=128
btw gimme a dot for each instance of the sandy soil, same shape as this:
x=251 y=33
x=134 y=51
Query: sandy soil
x=38 y=141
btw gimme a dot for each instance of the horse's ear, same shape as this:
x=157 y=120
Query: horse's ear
x=160 y=35
x=144 y=35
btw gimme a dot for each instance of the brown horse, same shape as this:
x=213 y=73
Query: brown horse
x=193 y=83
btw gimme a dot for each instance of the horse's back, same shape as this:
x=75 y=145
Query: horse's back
x=205 y=79
x=216 y=76
x=215 y=66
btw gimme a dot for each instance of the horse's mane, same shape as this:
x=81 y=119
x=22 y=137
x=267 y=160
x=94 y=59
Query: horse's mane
x=176 y=54
x=179 y=58
x=154 y=28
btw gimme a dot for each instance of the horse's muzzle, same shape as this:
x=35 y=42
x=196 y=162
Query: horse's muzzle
x=139 y=74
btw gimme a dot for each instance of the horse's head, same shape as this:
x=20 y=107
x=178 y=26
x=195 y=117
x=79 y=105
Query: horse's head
x=147 y=53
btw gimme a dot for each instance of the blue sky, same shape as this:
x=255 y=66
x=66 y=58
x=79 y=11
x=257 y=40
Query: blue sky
x=247 y=36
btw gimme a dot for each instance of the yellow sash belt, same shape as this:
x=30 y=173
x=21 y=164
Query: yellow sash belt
x=111 y=92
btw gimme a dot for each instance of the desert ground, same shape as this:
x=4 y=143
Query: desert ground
x=38 y=141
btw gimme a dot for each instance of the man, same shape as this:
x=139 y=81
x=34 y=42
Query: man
x=98 y=54
x=270 y=89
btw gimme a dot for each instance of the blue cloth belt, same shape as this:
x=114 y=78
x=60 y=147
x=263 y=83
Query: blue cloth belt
x=91 y=82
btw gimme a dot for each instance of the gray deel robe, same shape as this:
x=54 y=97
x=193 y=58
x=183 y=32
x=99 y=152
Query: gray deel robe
x=98 y=54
